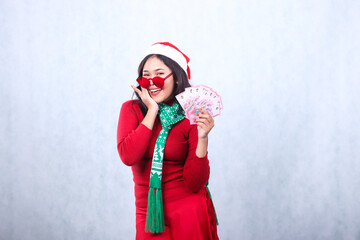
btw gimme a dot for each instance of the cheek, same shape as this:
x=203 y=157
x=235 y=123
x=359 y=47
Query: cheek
x=169 y=86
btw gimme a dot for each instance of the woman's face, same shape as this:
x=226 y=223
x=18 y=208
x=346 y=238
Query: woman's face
x=155 y=67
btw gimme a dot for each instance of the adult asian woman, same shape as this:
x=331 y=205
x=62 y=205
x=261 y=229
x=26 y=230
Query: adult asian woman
x=167 y=155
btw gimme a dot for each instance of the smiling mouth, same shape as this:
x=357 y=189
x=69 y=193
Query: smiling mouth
x=155 y=90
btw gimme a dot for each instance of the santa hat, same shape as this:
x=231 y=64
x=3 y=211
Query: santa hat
x=169 y=50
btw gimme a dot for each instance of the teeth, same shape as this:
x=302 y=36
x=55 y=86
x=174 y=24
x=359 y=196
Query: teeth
x=155 y=90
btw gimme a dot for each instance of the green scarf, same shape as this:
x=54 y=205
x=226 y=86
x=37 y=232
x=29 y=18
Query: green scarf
x=169 y=115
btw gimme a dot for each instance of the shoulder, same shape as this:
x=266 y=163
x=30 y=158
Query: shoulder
x=131 y=104
x=131 y=107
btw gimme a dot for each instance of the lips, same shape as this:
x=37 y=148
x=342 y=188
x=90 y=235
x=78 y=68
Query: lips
x=155 y=91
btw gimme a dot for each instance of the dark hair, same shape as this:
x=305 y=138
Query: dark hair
x=180 y=78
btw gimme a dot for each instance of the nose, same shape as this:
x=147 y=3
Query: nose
x=151 y=82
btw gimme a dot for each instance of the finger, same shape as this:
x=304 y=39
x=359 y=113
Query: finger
x=208 y=122
x=209 y=117
x=203 y=111
x=202 y=120
x=201 y=124
x=145 y=91
x=205 y=125
x=136 y=89
x=205 y=116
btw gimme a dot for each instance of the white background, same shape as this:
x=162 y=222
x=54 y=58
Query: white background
x=284 y=154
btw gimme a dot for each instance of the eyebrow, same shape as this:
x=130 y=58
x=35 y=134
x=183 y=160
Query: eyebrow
x=158 y=69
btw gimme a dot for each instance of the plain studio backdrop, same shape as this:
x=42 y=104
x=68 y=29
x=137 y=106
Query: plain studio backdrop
x=284 y=153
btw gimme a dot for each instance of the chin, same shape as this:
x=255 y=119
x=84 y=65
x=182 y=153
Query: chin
x=161 y=98
x=158 y=100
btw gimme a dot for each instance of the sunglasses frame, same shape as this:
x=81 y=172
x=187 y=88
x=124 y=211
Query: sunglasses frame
x=157 y=81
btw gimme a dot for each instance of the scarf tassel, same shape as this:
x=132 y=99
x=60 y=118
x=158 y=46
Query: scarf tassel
x=155 y=213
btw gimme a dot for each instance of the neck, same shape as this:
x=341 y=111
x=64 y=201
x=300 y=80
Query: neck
x=170 y=102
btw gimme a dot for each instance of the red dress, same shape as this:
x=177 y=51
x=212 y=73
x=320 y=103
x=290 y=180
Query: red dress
x=188 y=209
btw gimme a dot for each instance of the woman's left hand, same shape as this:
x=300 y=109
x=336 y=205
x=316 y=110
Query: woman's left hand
x=204 y=123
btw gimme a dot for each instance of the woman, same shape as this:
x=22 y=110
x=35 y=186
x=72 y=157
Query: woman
x=171 y=198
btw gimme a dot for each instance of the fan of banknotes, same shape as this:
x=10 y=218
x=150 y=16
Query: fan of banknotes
x=200 y=96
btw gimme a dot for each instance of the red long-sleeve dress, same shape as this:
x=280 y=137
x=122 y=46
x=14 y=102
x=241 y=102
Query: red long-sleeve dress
x=188 y=210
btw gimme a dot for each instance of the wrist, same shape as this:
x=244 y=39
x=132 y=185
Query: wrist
x=153 y=109
x=203 y=138
x=201 y=149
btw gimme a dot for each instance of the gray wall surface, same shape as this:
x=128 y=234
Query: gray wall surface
x=284 y=154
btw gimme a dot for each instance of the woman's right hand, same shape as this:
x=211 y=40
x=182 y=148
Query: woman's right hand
x=147 y=100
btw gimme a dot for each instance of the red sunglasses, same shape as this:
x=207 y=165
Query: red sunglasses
x=158 y=81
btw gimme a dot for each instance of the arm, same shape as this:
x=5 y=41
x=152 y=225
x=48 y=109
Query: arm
x=204 y=125
x=152 y=106
x=197 y=170
x=132 y=137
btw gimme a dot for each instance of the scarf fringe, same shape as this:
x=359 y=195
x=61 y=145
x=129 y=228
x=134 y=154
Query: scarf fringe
x=155 y=214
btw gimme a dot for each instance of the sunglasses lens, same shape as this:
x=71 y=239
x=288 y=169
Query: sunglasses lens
x=143 y=82
x=158 y=81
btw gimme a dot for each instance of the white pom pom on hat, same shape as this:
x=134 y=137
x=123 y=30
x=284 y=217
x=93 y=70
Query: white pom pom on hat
x=171 y=51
